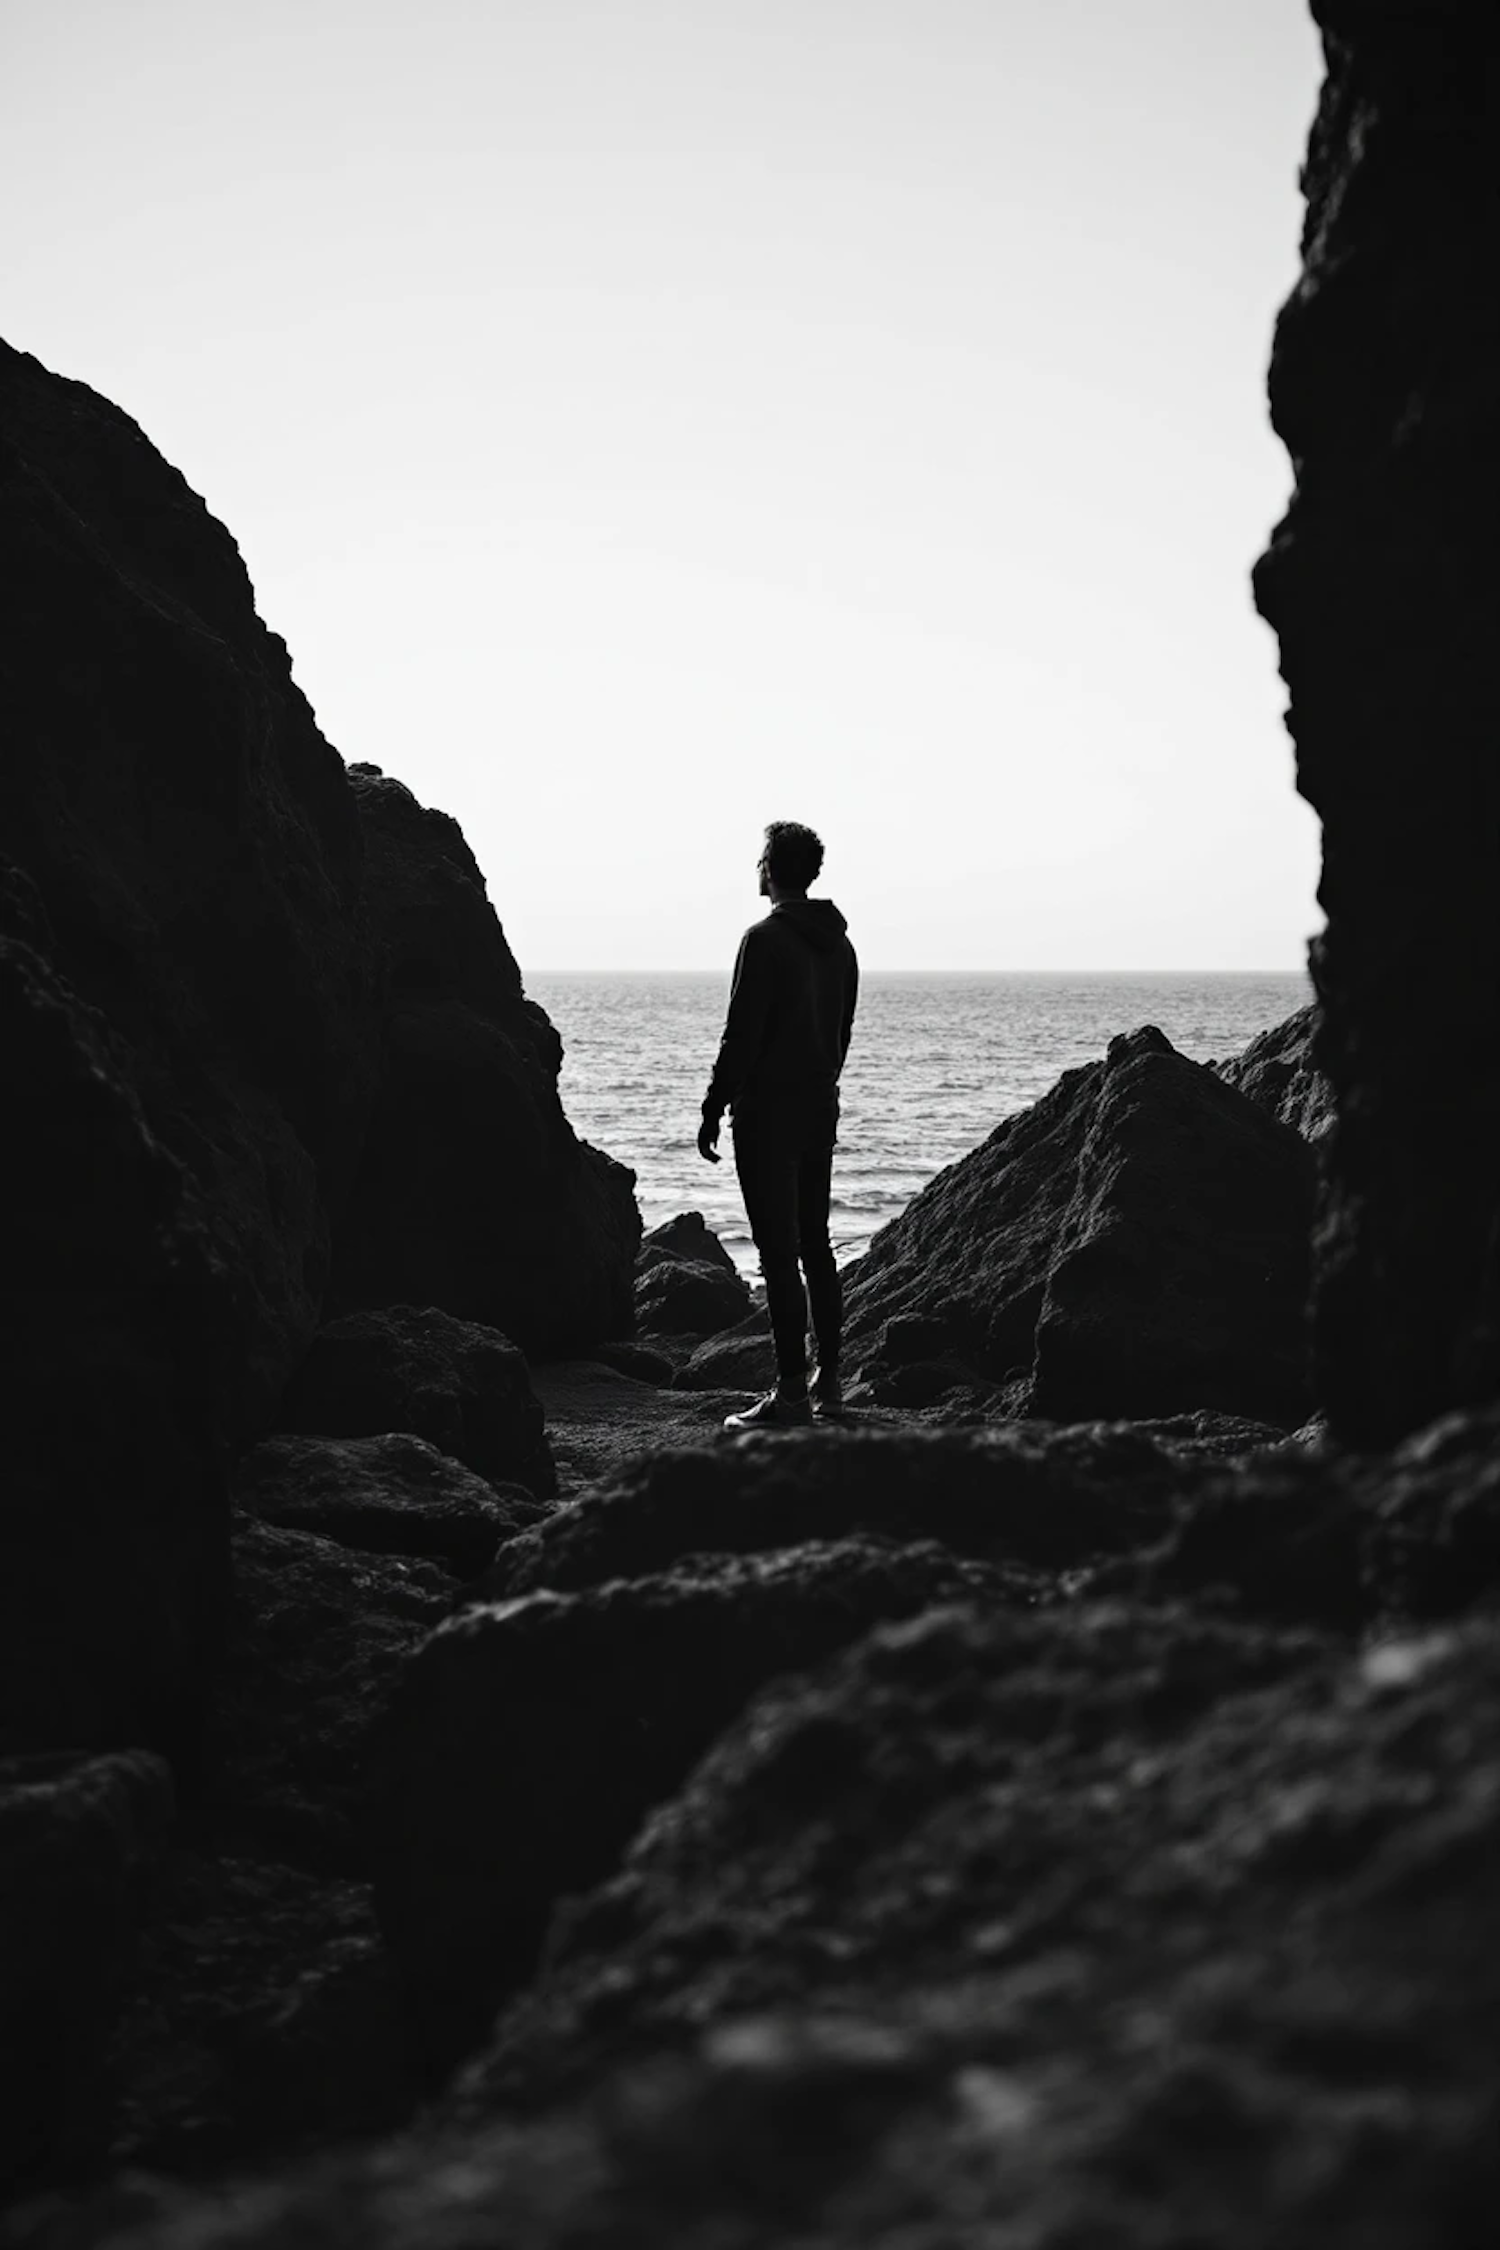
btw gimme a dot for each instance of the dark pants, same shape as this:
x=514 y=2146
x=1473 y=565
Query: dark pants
x=783 y=1152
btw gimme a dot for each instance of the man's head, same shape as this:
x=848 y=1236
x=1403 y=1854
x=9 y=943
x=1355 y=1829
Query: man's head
x=790 y=859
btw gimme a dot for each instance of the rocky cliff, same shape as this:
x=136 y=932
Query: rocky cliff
x=259 y=1024
x=1381 y=584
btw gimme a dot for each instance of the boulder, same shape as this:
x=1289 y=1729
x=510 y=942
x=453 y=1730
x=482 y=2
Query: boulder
x=319 y=1633
x=689 y=1236
x=677 y=1296
x=474 y=1194
x=637 y=1361
x=527 y=1740
x=1181 y=1271
x=1279 y=1071
x=1133 y=1245
x=389 y=1495
x=121 y=1337
x=1023 y=1495
x=79 y=1838
x=742 y=1358
x=264 y=2019
x=1382 y=583
x=462 y=1387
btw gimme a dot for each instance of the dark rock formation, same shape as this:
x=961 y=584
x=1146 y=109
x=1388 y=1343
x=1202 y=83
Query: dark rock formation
x=220 y=962
x=390 y=1495
x=1135 y=1244
x=1279 y=1071
x=742 y=1358
x=463 y=1388
x=319 y=1634
x=1382 y=584
x=677 y=1296
x=78 y=1839
x=474 y=1193
x=1093 y=1925
x=528 y=1739
x=192 y=837
x=265 y=2018
x=118 y=1336
x=689 y=1236
x=1044 y=1498
x=638 y=1361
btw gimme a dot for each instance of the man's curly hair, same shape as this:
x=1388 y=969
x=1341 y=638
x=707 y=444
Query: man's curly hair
x=793 y=855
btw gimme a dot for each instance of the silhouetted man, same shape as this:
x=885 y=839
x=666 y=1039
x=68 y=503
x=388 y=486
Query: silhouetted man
x=791 y=1010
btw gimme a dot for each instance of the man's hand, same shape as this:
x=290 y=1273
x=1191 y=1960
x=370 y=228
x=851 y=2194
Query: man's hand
x=708 y=1139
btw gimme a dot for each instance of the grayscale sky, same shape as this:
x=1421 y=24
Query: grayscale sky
x=648 y=418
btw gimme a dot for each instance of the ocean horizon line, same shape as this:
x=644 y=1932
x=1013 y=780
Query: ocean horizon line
x=870 y=970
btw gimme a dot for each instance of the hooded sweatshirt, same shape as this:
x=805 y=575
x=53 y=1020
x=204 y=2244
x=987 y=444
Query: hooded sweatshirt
x=791 y=1010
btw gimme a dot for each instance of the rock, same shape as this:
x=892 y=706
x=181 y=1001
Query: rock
x=1382 y=583
x=1279 y=1072
x=1046 y=1499
x=122 y=1339
x=388 y=1495
x=319 y=1634
x=1181 y=1273
x=742 y=1358
x=463 y=1388
x=474 y=1194
x=527 y=1740
x=637 y=1361
x=690 y=1236
x=1076 y=1927
x=1133 y=1245
x=79 y=1837
x=193 y=841
x=686 y=1296
x=265 y=2019
x=1346 y=1540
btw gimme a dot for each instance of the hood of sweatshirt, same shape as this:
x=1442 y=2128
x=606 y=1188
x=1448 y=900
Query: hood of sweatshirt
x=816 y=919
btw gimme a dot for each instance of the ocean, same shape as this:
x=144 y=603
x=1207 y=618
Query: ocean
x=937 y=1061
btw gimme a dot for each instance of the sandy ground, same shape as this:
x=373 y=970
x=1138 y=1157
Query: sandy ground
x=598 y=1420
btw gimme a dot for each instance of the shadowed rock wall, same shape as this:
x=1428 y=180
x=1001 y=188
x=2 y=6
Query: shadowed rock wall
x=474 y=1193
x=223 y=972
x=1382 y=586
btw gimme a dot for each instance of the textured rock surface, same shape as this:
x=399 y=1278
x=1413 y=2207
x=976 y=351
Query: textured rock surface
x=742 y=1358
x=474 y=1194
x=683 y=1296
x=1044 y=1498
x=1181 y=1273
x=389 y=1495
x=264 y=2019
x=690 y=1236
x=119 y=1338
x=1382 y=584
x=78 y=1839
x=193 y=838
x=319 y=1634
x=1135 y=1243
x=527 y=1740
x=1280 y=1072
x=463 y=1388
x=1090 y=1926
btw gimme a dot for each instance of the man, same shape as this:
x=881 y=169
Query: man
x=791 y=1010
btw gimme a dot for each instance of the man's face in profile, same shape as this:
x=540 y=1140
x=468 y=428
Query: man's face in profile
x=764 y=873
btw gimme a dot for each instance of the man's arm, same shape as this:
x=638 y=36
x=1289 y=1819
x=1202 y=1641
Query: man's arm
x=851 y=995
x=744 y=1026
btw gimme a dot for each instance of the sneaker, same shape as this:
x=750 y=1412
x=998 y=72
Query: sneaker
x=827 y=1395
x=773 y=1412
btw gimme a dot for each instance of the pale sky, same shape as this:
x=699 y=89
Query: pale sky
x=648 y=418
